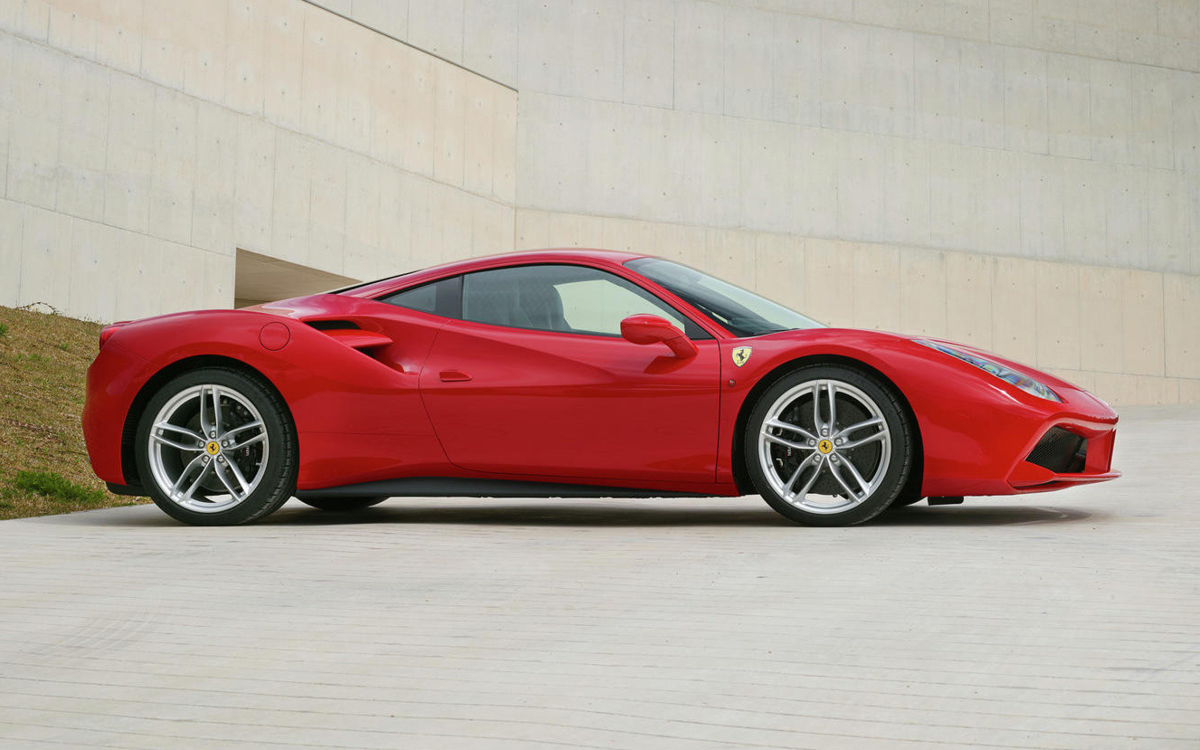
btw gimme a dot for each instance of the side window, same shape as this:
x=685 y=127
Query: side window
x=570 y=299
x=599 y=306
x=436 y=298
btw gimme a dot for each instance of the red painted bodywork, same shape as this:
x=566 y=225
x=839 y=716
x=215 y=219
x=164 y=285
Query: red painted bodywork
x=410 y=394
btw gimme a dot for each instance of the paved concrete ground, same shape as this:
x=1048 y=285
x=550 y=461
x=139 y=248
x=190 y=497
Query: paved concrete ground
x=1069 y=620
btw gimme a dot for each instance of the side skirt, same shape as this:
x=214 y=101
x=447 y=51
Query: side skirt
x=465 y=487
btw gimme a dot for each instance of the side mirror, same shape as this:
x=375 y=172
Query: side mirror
x=651 y=329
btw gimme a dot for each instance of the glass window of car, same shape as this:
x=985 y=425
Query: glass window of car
x=436 y=298
x=564 y=298
x=742 y=313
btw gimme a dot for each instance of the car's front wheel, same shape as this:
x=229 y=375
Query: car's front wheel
x=216 y=447
x=828 y=445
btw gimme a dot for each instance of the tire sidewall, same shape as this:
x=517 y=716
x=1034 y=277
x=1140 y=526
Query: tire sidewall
x=279 y=479
x=900 y=463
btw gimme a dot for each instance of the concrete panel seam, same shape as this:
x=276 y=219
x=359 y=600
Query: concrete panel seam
x=446 y=60
x=916 y=138
x=1106 y=259
x=276 y=128
x=201 y=101
x=988 y=38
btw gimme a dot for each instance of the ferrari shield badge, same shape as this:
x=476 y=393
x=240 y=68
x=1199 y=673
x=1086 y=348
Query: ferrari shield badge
x=741 y=355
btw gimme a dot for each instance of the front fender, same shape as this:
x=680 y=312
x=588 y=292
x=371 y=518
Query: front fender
x=768 y=356
x=975 y=429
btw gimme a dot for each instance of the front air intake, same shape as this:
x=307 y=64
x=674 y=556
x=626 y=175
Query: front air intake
x=1060 y=451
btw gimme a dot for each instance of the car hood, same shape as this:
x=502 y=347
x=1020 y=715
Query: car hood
x=881 y=341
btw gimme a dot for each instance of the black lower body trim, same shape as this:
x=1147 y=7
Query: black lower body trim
x=460 y=487
x=129 y=490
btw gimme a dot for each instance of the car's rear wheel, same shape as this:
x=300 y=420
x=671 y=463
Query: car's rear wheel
x=342 y=504
x=217 y=447
x=828 y=445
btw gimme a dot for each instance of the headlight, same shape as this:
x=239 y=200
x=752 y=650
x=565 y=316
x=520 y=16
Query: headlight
x=1008 y=375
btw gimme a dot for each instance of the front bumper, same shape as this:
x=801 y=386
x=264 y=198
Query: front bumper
x=1035 y=474
x=978 y=437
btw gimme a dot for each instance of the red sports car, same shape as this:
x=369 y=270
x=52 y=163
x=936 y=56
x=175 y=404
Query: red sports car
x=566 y=373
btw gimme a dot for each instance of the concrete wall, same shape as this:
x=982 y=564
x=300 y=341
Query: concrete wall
x=1023 y=175
x=521 y=41
x=1131 y=335
x=145 y=141
x=1019 y=174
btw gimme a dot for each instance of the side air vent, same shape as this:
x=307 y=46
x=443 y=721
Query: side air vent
x=333 y=325
x=351 y=334
x=1060 y=451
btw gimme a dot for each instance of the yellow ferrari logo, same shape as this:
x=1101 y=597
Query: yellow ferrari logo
x=213 y=448
x=825 y=446
x=741 y=355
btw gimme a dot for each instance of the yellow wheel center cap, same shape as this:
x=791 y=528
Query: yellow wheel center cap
x=213 y=448
x=825 y=446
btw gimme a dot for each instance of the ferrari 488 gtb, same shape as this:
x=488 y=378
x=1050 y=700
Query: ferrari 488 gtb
x=567 y=374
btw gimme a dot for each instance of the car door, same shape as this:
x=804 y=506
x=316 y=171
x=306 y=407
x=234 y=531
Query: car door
x=535 y=379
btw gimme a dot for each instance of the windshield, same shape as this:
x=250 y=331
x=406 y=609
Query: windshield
x=740 y=312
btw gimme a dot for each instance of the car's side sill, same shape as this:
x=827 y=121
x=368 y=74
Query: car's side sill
x=468 y=487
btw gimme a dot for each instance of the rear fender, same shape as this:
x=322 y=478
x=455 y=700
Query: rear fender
x=340 y=396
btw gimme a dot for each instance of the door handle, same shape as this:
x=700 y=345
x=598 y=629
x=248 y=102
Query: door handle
x=453 y=376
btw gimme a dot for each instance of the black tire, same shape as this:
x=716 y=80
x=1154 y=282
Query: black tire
x=342 y=504
x=275 y=476
x=889 y=459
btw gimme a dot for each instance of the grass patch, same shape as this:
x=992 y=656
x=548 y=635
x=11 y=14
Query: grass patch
x=56 y=487
x=43 y=367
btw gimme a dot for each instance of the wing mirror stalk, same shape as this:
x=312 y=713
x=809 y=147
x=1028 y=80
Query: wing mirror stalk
x=651 y=329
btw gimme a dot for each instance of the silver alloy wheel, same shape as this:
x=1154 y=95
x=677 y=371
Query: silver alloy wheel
x=826 y=445
x=208 y=438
